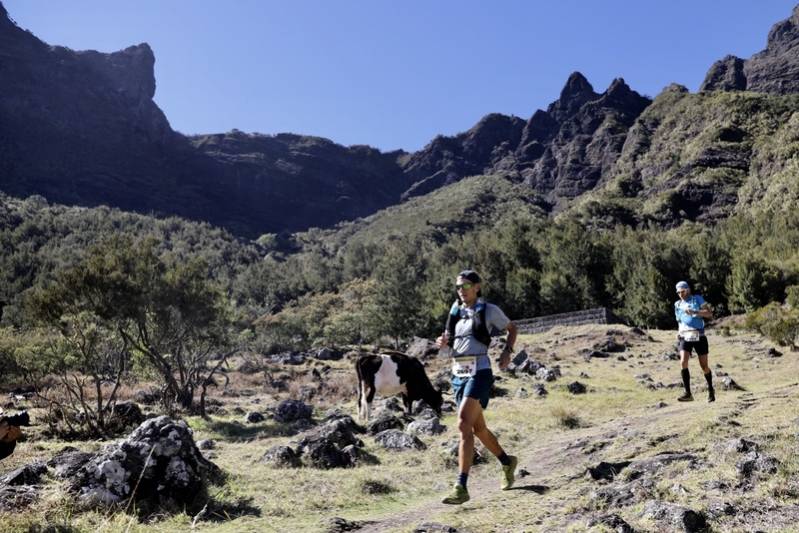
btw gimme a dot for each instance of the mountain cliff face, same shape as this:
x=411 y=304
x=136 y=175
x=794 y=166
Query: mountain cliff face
x=561 y=152
x=774 y=70
x=585 y=133
x=308 y=181
x=82 y=128
x=478 y=151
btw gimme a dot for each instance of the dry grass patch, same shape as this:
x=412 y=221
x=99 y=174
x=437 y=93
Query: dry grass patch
x=565 y=418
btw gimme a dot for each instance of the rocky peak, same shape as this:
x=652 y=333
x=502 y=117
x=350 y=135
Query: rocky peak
x=493 y=121
x=675 y=88
x=774 y=70
x=580 y=122
x=447 y=159
x=785 y=34
x=621 y=98
x=618 y=90
x=544 y=125
x=575 y=93
x=129 y=71
x=576 y=86
x=13 y=39
x=537 y=131
x=725 y=75
x=495 y=128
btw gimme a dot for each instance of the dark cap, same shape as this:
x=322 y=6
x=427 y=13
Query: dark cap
x=471 y=275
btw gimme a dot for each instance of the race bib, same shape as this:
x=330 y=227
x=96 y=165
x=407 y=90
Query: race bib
x=691 y=335
x=464 y=368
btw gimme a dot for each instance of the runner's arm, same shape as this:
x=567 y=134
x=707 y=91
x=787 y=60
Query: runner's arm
x=504 y=358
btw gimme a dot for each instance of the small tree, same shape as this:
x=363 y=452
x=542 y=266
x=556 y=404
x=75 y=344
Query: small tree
x=642 y=282
x=792 y=297
x=752 y=283
x=779 y=324
x=574 y=268
x=9 y=367
x=394 y=306
x=88 y=363
x=169 y=314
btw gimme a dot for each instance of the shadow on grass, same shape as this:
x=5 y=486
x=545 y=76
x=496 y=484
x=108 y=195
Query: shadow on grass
x=538 y=489
x=236 y=431
x=223 y=511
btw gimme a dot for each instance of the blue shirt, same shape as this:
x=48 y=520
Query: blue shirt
x=686 y=321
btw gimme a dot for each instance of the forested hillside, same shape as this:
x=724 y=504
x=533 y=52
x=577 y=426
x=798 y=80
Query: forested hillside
x=602 y=199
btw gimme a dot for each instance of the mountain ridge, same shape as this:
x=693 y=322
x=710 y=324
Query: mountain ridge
x=82 y=128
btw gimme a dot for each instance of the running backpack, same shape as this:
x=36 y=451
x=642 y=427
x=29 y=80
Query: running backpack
x=479 y=328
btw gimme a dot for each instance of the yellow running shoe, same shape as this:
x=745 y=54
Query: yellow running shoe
x=508 y=472
x=458 y=495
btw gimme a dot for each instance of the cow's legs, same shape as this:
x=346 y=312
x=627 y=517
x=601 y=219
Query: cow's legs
x=366 y=401
x=406 y=401
x=360 y=401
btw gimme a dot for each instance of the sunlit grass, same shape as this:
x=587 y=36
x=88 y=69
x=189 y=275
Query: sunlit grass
x=617 y=419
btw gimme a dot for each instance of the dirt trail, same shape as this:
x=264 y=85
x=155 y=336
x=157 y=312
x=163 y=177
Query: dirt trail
x=561 y=458
x=561 y=452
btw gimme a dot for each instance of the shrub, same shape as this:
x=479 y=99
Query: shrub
x=566 y=418
x=123 y=299
x=779 y=324
x=792 y=296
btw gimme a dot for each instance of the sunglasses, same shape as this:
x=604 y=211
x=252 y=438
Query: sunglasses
x=464 y=286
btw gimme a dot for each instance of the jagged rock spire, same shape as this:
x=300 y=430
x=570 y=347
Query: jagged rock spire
x=774 y=70
x=576 y=85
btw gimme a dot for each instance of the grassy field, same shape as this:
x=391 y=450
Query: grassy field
x=557 y=438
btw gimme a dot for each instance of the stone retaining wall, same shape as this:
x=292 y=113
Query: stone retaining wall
x=599 y=315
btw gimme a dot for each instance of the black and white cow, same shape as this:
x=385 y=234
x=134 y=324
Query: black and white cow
x=394 y=373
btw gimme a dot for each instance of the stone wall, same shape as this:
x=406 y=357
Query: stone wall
x=599 y=315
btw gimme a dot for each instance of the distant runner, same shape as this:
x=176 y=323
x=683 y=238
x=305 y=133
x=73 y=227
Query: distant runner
x=690 y=311
x=468 y=334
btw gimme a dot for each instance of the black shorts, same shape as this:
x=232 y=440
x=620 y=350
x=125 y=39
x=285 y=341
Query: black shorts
x=700 y=346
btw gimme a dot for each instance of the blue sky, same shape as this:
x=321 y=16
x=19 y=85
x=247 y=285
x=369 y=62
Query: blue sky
x=395 y=74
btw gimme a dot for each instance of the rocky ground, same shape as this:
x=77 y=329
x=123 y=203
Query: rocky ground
x=591 y=411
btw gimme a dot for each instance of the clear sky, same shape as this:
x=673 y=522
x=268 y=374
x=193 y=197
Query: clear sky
x=394 y=74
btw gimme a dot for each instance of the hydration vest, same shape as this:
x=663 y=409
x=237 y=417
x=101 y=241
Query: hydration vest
x=479 y=328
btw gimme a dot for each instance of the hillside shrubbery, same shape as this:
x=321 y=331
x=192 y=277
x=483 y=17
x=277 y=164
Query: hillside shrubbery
x=372 y=279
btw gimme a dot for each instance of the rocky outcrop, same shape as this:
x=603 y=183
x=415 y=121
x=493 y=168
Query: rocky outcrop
x=675 y=517
x=158 y=466
x=394 y=439
x=581 y=134
x=725 y=75
x=281 y=457
x=27 y=475
x=292 y=411
x=426 y=426
x=68 y=461
x=384 y=421
x=774 y=70
x=329 y=445
x=310 y=181
x=480 y=150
